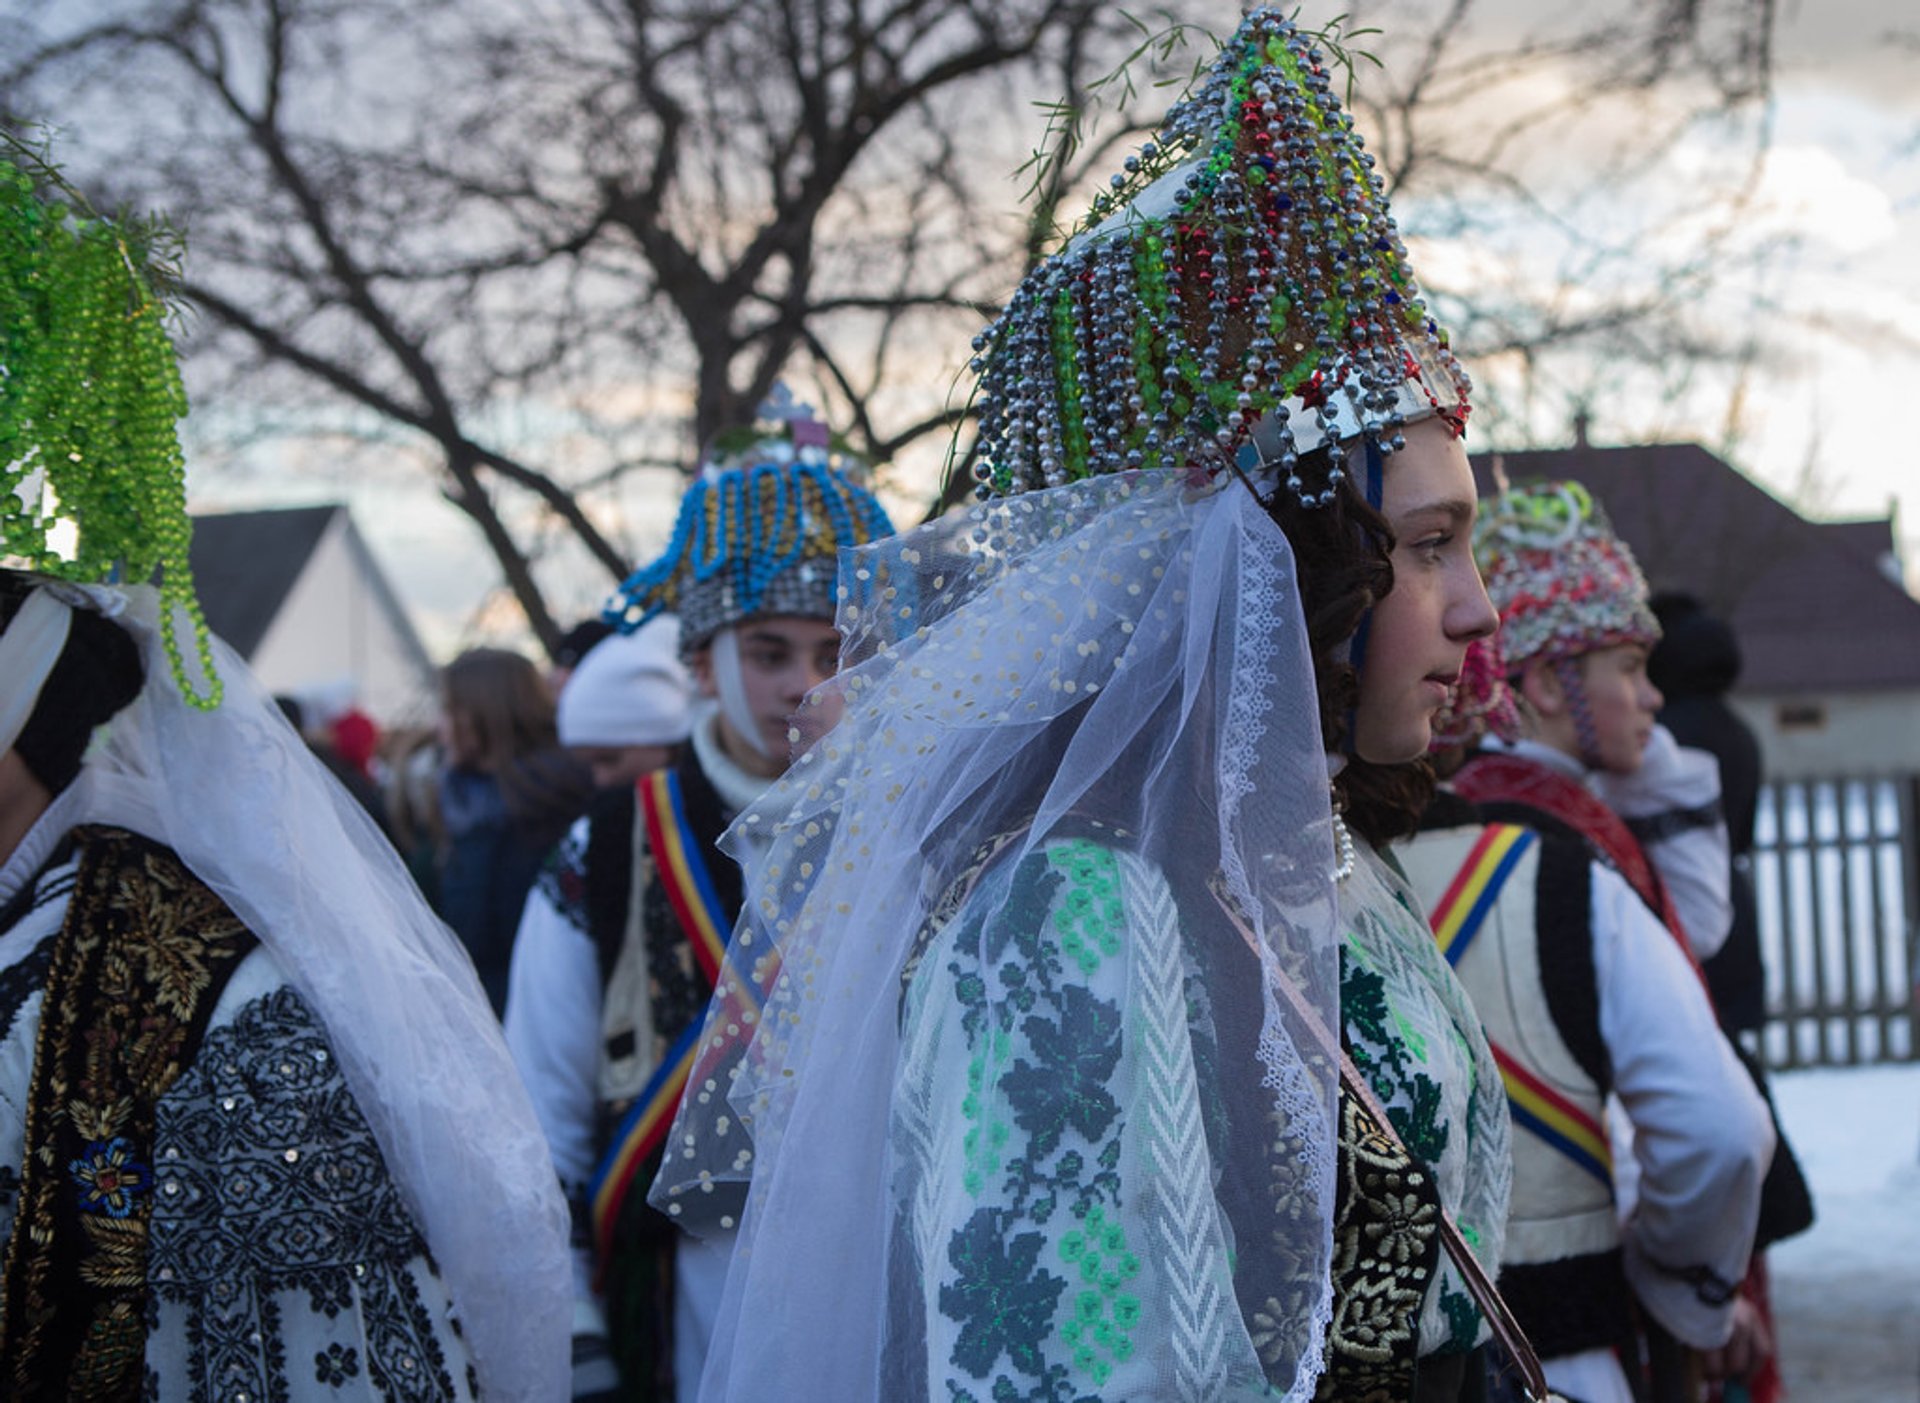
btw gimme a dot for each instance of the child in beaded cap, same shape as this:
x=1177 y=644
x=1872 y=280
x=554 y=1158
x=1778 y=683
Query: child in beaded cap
x=1028 y=1058
x=1567 y=932
x=617 y=947
x=241 y=1062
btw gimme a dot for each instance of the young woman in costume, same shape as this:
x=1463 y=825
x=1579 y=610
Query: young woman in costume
x=259 y=1136
x=1029 y=1049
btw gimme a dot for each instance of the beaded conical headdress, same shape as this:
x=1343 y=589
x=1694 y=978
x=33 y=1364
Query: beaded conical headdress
x=92 y=481
x=760 y=532
x=1240 y=299
x=1563 y=582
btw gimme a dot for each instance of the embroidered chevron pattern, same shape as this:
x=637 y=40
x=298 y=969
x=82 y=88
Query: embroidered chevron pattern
x=1201 y=1321
x=931 y=1151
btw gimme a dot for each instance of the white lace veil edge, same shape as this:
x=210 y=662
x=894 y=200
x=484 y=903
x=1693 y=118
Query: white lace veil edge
x=238 y=796
x=1120 y=655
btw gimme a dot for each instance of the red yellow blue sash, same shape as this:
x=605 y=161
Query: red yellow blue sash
x=1540 y=1109
x=682 y=868
x=1462 y=911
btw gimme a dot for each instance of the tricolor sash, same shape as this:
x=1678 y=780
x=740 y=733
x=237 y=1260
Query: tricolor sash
x=1540 y=1109
x=682 y=868
x=1463 y=909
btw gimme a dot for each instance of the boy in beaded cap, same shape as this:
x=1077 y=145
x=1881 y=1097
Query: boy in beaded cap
x=241 y=1063
x=621 y=938
x=1567 y=933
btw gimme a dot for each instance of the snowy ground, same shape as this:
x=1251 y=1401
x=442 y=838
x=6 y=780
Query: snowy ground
x=1846 y=1293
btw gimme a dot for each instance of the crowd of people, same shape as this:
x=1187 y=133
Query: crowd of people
x=1230 y=915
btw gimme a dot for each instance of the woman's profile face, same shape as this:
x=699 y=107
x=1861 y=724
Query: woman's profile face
x=1419 y=635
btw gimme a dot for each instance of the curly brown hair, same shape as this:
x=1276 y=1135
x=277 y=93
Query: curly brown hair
x=1343 y=553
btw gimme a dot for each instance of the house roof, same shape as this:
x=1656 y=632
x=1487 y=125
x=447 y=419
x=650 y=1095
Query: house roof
x=246 y=563
x=1811 y=603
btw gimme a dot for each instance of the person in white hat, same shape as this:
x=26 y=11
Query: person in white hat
x=628 y=703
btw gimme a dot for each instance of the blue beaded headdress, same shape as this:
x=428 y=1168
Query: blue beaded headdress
x=759 y=533
x=1240 y=299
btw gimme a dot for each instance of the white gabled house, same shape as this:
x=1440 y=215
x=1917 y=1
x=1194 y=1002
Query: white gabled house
x=297 y=593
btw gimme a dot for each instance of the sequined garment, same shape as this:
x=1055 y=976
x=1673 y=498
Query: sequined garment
x=241 y=1232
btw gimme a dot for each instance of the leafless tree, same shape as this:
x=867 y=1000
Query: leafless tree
x=1535 y=146
x=543 y=243
x=437 y=212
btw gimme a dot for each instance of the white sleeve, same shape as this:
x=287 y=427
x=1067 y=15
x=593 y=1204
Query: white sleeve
x=1702 y=1138
x=553 y=1032
x=1672 y=802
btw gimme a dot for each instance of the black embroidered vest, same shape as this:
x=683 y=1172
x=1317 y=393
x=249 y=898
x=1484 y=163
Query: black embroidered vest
x=138 y=966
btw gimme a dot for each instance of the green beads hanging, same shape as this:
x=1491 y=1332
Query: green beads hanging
x=92 y=480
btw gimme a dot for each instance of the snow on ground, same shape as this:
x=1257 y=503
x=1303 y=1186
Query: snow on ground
x=1846 y=1293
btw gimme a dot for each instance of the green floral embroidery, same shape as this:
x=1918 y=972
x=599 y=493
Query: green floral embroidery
x=1100 y=1331
x=1463 y=1319
x=987 y=1135
x=1380 y=1040
x=1414 y=1041
x=1044 y=1049
x=1088 y=918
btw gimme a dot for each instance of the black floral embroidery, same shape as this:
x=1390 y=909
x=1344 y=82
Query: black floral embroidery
x=335 y=1364
x=271 y=1190
x=1068 y=1087
x=1003 y=1299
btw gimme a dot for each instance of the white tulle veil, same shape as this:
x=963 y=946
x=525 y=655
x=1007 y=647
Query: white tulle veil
x=239 y=797
x=1124 y=652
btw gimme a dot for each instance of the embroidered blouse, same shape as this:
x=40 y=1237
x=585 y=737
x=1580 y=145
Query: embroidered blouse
x=1058 y=1087
x=1413 y=1033
x=280 y=1259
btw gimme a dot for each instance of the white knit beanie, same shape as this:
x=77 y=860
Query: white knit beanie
x=630 y=689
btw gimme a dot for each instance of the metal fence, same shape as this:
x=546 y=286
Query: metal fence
x=1836 y=868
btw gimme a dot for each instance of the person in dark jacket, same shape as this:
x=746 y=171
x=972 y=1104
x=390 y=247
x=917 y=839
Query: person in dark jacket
x=1695 y=665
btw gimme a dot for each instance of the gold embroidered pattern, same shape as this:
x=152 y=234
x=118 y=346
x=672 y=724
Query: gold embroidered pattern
x=137 y=969
x=1386 y=1245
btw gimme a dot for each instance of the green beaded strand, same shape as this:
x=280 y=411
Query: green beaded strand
x=90 y=404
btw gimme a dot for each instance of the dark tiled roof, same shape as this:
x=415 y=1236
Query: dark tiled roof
x=244 y=564
x=1872 y=539
x=1810 y=603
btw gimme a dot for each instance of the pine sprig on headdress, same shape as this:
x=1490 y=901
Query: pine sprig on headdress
x=1070 y=123
x=92 y=479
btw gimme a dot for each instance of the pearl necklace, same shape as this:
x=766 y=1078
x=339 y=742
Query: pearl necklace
x=1342 y=849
